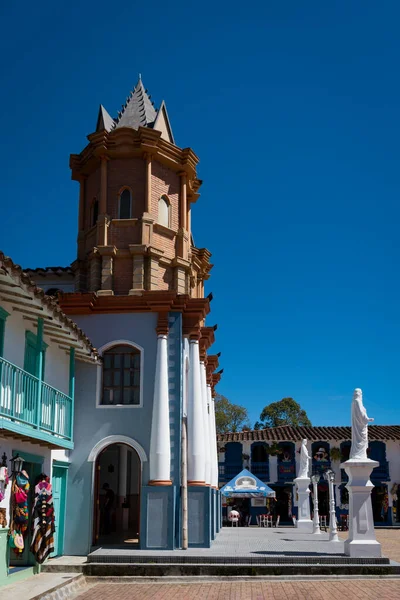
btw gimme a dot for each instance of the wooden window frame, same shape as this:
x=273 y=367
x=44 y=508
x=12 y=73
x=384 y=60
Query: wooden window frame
x=121 y=370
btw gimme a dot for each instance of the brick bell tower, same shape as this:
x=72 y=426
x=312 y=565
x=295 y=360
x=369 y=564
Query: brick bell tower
x=136 y=191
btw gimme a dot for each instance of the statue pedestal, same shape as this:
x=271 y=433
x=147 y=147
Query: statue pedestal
x=361 y=541
x=304 y=522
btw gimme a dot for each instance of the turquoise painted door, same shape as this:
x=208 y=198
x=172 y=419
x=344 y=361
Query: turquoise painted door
x=59 y=483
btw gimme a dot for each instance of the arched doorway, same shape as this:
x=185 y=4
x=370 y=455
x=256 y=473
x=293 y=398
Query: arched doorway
x=117 y=496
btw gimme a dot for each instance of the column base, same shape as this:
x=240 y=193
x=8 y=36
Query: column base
x=199 y=516
x=361 y=541
x=361 y=549
x=160 y=482
x=304 y=522
x=305 y=525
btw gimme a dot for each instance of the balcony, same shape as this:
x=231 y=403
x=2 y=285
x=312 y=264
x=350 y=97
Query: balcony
x=381 y=473
x=34 y=409
x=228 y=472
x=286 y=471
x=261 y=470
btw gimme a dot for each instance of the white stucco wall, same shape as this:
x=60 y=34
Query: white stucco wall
x=57 y=361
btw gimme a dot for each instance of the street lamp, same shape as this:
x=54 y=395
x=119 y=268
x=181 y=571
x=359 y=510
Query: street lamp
x=329 y=475
x=16 y=464
x=315 y=480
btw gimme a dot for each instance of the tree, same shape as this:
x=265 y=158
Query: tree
x=285 y=412
x=228 y=416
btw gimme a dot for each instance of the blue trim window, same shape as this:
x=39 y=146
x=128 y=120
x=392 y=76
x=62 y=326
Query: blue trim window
x=3 y=317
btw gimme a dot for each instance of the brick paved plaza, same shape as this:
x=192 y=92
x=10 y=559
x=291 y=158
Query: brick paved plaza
x=372 y=589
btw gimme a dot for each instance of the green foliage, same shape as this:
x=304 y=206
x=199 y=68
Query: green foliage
x=230 y=417
x=285 y=412
x=274 y=449
x=335 y=454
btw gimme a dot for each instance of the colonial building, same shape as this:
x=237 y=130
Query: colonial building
x=274 y=454
x=39 y=348
x=139 y=295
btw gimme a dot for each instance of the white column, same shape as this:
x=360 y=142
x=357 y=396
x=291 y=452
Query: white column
x=273 y=469
x=361 y=540
x=316 y=527
x=213 y=440
x=206 y=419
x=160 y=443
x=123 y=471
x=195 y=420
x=122 y=481
x=304 y=522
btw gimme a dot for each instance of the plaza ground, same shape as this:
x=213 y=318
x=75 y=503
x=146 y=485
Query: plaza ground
x=372 y=589
x=353 y=588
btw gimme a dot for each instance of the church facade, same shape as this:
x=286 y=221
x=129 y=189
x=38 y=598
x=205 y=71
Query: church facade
x=145 y=453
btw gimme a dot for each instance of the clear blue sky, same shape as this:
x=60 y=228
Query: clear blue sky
x=293 y=109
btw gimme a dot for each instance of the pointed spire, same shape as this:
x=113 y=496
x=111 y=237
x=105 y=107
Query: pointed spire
x=138 y=110
x=104 y=120
x=162 y=124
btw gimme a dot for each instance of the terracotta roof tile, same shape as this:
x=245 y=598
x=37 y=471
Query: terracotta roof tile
x=284 y=433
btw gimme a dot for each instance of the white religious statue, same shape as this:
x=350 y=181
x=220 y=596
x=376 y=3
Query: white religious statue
x=359 y=430
x=304 y=460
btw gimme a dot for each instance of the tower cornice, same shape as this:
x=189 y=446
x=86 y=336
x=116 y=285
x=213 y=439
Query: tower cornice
x=126 y=142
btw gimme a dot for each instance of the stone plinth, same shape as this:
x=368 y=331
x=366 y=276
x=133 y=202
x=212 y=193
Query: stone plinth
x=361 y=541
x=304 y=522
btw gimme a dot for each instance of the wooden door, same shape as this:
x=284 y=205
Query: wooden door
x=59 y=483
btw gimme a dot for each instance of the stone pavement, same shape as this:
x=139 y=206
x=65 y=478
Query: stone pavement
x=249 y=542
x=356 y=589
x=390 y=540
x=45 y=584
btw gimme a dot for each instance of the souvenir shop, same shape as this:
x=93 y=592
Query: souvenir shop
x=27 y=510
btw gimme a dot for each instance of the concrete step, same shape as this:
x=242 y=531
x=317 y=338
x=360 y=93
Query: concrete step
x=281 y=569
x=130 y=558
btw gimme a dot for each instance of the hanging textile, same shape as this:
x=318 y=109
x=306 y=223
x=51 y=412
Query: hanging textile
x=19 y=512
x=42 y=520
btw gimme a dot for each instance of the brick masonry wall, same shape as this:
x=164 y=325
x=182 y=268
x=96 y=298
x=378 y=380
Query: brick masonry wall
x=164 y=278
x=92 y=190
x=165 y=181
x=128 y=172
x=121 y=236
x=122 y=276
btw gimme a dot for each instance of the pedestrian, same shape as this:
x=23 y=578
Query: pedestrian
x=234 y=516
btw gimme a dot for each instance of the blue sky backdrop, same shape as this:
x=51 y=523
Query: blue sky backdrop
x=293 y=109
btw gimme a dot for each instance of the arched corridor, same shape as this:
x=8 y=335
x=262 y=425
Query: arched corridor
x=117 y=496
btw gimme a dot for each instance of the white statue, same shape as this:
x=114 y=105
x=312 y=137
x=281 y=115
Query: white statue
x=304 y=460
x=359 y=430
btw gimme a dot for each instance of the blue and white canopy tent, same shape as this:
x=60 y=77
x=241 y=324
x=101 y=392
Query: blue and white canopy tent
x=246 y=485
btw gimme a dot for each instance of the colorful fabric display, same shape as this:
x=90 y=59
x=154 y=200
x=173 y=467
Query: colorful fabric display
x=43 y=520
x=19 y=511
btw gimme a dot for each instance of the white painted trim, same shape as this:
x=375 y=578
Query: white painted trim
x=117 y=439
x=99 y=382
